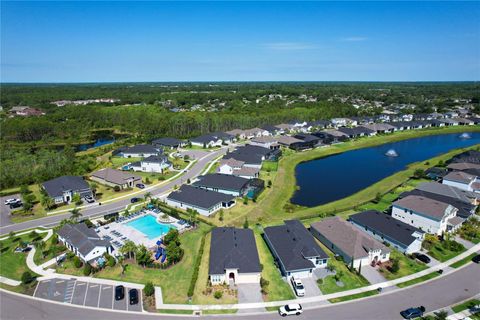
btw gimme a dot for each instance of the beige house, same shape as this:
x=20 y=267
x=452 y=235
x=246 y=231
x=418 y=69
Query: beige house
x=112 y=178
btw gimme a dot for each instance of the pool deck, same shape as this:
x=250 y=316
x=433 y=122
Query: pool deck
x=130 y=233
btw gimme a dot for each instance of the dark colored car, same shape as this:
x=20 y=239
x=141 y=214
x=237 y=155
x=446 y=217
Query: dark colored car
x=16 y=204
x=140 y=185
x=133 y=294
x=412 y=313
x=133 y=200
x=422 y=257
x=119 y=293
x=476 y=259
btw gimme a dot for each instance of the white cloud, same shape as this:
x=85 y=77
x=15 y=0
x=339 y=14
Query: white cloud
x=355 y=39
x=286 y=46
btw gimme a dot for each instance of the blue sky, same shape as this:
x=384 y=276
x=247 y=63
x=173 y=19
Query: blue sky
x=239 y=41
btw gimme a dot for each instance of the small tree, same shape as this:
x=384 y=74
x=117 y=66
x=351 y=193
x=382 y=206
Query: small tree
x=149 y=289
x=77 y=263
x=269 y=183
x=77 y=199
x=220 y=215
x=188 y=181
x=87 y=269
x=93 y=187
x=116 y=188
x=245 y=200
x=418 y=174
x=218 y=294
x=245 y=224
x=75 y=214
x=27 y=277
x=395 y=266
x=40 y=245
x=441 y=315
x=378 y=197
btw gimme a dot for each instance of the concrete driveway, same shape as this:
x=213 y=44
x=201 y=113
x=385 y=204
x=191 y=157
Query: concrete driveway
x=311 y=287
x=372 y=275
x=249 y=292
x=5 y=210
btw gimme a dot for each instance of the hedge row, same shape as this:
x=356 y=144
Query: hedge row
x=196 y=269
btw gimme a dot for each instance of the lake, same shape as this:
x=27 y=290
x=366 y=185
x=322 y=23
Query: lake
x=97 y=143
x=338 y=176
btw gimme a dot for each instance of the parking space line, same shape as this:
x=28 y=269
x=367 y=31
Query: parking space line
x=73 y=291
x=35 y=292
x=86 y=294
x=99 y=295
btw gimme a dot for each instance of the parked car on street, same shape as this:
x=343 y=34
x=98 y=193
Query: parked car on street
x=290 y=310
x=119 y=293
x=140 y=185
x=476 y=259
x=422 y=257
x=412 y=313
x=133 y=296
x=298 y=287
x=133 y=200
x=89 y=199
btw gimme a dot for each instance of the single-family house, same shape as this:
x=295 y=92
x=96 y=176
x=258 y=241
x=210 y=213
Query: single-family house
x=284 y=128
x=307 y=141
x=449 y=191
x=112 y=178
x=237 y=168
x=461 y=180
x=272 y=130
x=152 y=164
x=168 y=143
x=206 y=141
x=223 y=183
x=233 y=257
x=294 y=249
x=139 y=151
x=84 y=242
x=354 y=246
x=62 y=189
x=450 y=122
x=380 y=128
x=205 y=202
x=402 y=236
x=356 y=132
x=287 y=140
x=268 y=142
x=429 y=215
x=252 y=155
x=237 y=133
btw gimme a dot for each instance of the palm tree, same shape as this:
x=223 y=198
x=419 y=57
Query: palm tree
x=40 y=245
x=46 y=202
x=148 y=195
x=128 y=249
x=121 y=261
x=75 y=213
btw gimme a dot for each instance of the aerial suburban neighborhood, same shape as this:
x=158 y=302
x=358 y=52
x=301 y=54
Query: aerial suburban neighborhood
x=248 y=160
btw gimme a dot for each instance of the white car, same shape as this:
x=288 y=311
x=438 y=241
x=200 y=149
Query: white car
x=11 y=200
x=290 y=310
x=298 y=287
x=89 y=199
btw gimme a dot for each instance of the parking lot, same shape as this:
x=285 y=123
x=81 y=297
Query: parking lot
x=84 y=294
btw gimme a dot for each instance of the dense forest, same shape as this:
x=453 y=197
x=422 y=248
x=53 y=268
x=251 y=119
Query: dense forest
x=29 y=145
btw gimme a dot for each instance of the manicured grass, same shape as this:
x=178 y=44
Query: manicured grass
x=354 y=296
x=174 y=281
x=464 y=261
x=418 y=280
x=407 y=266
x=51 y=251
x=117 y=162
x=28 y=289
x=277 y=288
x=270 y=166
x=441 y=253
x=13 y=265
x=228 y=311
x=201 y=294
x=351 y=280
x=465 y=305
x=173 y=311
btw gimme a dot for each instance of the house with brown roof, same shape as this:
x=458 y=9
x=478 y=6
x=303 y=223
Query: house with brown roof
x=429 y=215
x=112 y=178
x=354 y=246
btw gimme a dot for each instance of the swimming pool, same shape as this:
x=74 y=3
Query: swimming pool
x=149 y=226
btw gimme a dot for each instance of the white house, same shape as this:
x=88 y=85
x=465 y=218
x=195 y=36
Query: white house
x=111 y=177
x=63 y=189
x=357 y=248
x=233 y=257
x=207 y=141
x=140 y=151
x=461 y=180
x=83 y=242
x=295 y=250
x=428 y=215
x=152 y=164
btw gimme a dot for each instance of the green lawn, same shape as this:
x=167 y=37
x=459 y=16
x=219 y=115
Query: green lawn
x=464 y=261
x=277 y=288
x=117 y=162
x=418 y=280
x=270 y=166
x=407 y=266
x=174 y=281
x=51 y=251
x=441 y=253
x=354 y=296
x=465 y=305
x=351 y=280
x=203 y=293
x=13 y=265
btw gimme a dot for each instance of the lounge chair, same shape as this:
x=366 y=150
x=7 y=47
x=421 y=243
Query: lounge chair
x=164 y=256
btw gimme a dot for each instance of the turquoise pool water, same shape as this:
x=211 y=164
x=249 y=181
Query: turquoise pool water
x=149 y=226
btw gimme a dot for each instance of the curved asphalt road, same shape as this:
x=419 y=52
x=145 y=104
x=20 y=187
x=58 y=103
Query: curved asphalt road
x=115 y=206
x=434 y=295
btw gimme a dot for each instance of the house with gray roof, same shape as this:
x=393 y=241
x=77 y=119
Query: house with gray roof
x=112 y=178
x=354 y=246
x=210 y=140
x=233 y=257
x=62 y=189
x=171 y=143
x=84 y=242
x=462 y=180
x=403 y=237
x=295 y=250
x=152 y=164
x=449 y=191
x=429 y=215
x=139 y=151
x=205 y=202
x=223 y=183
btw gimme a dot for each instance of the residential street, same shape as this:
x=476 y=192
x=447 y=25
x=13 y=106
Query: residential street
x=434 y=295
x=119 y=205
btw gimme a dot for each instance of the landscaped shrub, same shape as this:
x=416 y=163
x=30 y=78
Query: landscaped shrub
x=149 y=289
x=87 y=270
x=196 y=268
x=111 y=261
x=320 y=281
x=116 y=188
x=395 y=266
x=218 y=294
x=77 y=262
x=27 y=277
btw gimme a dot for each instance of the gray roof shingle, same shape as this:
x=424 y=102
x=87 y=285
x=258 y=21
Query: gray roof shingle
x=81 y=237
x=57 y=186
x=221 y=181
x=202 y=198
